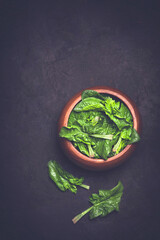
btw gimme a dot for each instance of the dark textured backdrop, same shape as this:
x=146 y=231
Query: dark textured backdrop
x=50 y=50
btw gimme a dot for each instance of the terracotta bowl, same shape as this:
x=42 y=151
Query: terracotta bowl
x=91 y=163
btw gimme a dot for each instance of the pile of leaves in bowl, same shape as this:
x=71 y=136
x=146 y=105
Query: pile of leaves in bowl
x=100 y=126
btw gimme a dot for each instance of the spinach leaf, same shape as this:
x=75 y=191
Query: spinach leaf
x=120 y=123
x=118 y=113
x=92 y=93
x=134 y=137
x=72 y=119
x=109 y=136
x=83 y=148
x=123 y=141
x=63 y=179
x=90 y=103
x=126 y=133
x=104 y=147
x=75 y=134
x=124 y=113
x=111 y=106
x=99 y=124
x=104 y=203
x=117 y=147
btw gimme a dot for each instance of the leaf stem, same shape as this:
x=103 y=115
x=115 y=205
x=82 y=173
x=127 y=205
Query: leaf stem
x=79 y=216
x=109 y=136
x=116 y=146
x=91 y=152
x=85 y=186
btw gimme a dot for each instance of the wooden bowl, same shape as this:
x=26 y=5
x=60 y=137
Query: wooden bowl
x=91 y=163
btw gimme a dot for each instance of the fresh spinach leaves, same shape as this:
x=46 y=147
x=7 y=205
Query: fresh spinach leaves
x=63 y=179
x=104 y=203
x=92 y=93
x=99 y=126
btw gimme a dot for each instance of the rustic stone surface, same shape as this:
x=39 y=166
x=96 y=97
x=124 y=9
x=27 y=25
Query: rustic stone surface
x=49 y=52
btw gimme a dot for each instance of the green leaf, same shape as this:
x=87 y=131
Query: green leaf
x=126 y=133
x=134 y=137
x=90 y=103
x=105 y=202
x=124 y=113
x=104 y=147
x=72 y=119
x=111 y=106
x=92 y=93
x=75 y=134
x=83 y=148
x=121 y=123
x=118 y=113
x=63 y=179
x=104 y=126
x=54 y=175
x=117 y=146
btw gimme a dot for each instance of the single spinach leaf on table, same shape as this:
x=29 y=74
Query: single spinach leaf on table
x=63 y=179
x=105 y=202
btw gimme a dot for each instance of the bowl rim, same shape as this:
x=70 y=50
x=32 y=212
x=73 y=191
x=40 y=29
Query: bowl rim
x=82 y=159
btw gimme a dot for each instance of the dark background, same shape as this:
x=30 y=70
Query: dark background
x=50 y=50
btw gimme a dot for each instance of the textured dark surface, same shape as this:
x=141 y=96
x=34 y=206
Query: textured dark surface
x=50 y=51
